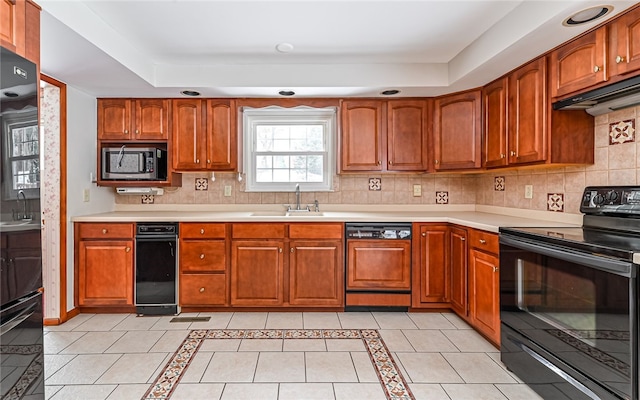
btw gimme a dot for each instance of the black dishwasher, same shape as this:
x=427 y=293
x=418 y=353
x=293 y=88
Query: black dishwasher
x=156 y=268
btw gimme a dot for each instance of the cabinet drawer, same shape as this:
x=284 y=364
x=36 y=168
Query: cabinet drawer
x=198 y=230
x=315 y=231
x=258 y=231
x=202 y=255
x=202 y=290
x=105 y=231
x=485 y=241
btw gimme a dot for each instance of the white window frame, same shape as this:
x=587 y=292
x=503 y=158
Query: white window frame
x=252 y=117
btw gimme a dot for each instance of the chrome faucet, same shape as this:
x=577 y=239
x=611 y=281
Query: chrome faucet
x=24 y=206
x=297 y=197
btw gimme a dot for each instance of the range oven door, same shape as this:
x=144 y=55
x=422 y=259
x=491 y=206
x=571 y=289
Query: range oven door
x=569 y=320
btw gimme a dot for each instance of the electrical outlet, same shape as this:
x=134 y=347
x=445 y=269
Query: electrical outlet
x=528 y=191
x=417 y=190
x=227 y=190
x=86 y=195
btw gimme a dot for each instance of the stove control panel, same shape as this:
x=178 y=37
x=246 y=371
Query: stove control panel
x=611 y=200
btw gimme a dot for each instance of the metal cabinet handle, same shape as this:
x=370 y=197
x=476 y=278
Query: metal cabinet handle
x=482 y=241
x=137 y=132
x=202 y=231
x=104 y=231
x=619 y=59
x=208 y=161
x=379 y=163
x=502 y=155
x=128 y=249
x=280 y=249
x=596 y=68
x=437 y=162
x=390 y=162
x=424 y=234
x=513 y=153
x=197 y=161
x=126 y=131
x=462 y=239
x=202 y=256
x=495 y=269
x=292 y=249
x=201 y=290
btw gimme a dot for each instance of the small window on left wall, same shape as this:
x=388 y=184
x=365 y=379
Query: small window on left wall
x=21 y=155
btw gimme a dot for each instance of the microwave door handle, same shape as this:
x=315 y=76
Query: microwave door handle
x=141 y=162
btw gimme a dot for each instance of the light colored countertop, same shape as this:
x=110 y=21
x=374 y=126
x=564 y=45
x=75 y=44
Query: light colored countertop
x=479 y=217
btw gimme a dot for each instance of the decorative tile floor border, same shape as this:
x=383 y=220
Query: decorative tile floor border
x=393 y=383
x=32 y=373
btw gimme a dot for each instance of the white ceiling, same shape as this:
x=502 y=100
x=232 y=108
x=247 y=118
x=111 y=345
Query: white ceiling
x=227 y=48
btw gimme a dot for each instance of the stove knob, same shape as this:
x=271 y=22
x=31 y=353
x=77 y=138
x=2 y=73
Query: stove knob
x=598 y=199
x=612 y=196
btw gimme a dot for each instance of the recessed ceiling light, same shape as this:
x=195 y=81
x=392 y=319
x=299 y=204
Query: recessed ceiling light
x=284 y=47
x=390 y=92
x=587 y=15
x=191 y=93
x=286 y=93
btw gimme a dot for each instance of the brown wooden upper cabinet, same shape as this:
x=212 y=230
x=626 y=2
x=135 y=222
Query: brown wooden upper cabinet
x=133 y=119
x=624 y=50
x=20 y=28
x=204 y=135
x=383 y=136
x=494 y=98
x=579 y=64
x=457 y=131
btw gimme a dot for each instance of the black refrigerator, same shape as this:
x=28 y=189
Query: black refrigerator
x=21 y=317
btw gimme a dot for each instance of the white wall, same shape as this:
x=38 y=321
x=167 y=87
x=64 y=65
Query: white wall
x=81 y=162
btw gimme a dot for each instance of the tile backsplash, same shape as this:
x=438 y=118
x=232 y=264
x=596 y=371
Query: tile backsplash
x=617 y=162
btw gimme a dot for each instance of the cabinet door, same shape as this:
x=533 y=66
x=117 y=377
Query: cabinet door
x=362 y=133
x=202 y=290
x=105 y=273
x=432 y=277
x=458 y=253
x=222 y=142
x=494 y=150
x=12 y=24
x=626 y=52
x=151 y=119
x=528 y=113
x=406 y=135
x=114 y=119
x=379 y=264
x=579 y=64
x=316 y=273
x=457 y=131
x=257 y=273
x=484 y=293
x=189 y=149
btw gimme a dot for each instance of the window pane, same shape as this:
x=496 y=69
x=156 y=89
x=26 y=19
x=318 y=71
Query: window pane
x=281 y=175
x=264 y=175
x=264 y=161
x=281 y=162
x=315 y=166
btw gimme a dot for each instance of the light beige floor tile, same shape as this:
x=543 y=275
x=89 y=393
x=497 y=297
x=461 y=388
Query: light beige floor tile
x=518 y=391
x=304 y=345
x=198 y=365
x=84 y=392
x=284 y=320
x=306 y=391
x=428 y=368
x=169 y=341
x=202 y=391
x=321 y=320
x=396 y=340
x=217 y=320
x=53 y=362
x=135 y=323
x=280 y=367
x=129 y=392
x=248 y=320
x=70 y=324
x=135 y=342
x=473 y=392
x=428 y=391
x=359 y=391
x=261 y=345
x=161 y=367
x=231 y=367
x=330 y=367
x=164 y=323
x=468 y=340
x=54 y=342
x=132 y=368
x=51 y=390
x=83 y=369
x=364 y=368
x=220 y=345
x=429 y=341
x=253 y=391
x=394 y=320
x=477 y=368
x=345 y=345
x=431 y=321
x=400 y=367
x=456 y=321
x=357 y=320
x=100 y=322
x=496 y=357
x=93 y=342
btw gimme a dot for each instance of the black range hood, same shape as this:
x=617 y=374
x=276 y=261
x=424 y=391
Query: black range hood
x=605 y=99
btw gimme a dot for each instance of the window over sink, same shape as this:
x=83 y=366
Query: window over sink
x=21 y=166
x=288 y=146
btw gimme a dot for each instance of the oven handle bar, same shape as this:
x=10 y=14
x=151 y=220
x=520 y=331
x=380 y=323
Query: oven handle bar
x=598 y=262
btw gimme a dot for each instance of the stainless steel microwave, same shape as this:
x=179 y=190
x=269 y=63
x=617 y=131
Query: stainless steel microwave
x=134 y=163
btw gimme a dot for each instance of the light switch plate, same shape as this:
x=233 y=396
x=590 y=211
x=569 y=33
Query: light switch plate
x=86 y=195
x=417 y=190
x=227 y=190
x=528 y=191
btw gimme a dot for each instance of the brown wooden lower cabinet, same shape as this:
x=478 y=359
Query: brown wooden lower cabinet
x=431 y=274
x=484 y=293
x=257 y=268
x=458 y=257
x=315 y=274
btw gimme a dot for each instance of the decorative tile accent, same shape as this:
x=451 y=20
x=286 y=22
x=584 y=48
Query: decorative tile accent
x=148 y=199
x=584 y=348
x=499 y=183
x=375 y=184
x=393 y=383
x=622 y=132
x=442 y=197
x=33 y=372
x=555 y=202
x=202 y=184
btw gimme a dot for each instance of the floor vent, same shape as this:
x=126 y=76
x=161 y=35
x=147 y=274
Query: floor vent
x=190 y=319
